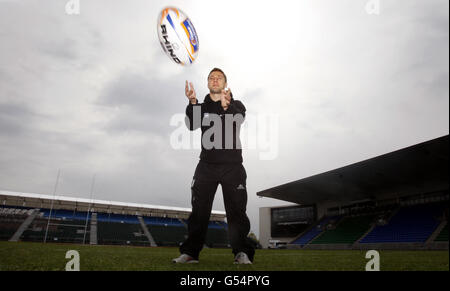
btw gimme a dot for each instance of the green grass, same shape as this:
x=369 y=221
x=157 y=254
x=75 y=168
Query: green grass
x=40 y=257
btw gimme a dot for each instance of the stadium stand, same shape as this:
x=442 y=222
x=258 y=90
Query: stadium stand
x=168 y=235
x=409 y=225
x=68 y=226
x=443 y=235
x=173 y=232
x=64 y=214
x=391 y=201
x=347 y=231
x=217 y=235
x=10 y=220
x=316 y=230
x=58 y=231
x=163 y=221
x=63 y=226
x=166 y=231
x=120 y=233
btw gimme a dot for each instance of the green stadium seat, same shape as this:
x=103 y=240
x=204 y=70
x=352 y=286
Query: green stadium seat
x=348 y=231
x=443 y=235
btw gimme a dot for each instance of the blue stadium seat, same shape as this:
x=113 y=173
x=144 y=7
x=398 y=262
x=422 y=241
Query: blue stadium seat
x=315 y=231
x=409 y=225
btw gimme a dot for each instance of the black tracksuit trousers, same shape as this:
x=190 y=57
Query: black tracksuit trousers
x=232 y=178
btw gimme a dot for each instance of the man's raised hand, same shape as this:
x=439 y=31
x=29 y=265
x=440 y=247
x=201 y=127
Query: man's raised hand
x=225 y=98
x=190 y=93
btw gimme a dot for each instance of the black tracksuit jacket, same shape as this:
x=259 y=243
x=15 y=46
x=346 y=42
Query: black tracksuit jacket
x=222 y=154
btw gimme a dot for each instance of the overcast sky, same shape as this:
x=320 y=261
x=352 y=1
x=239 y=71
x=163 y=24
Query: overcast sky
x=325 y=83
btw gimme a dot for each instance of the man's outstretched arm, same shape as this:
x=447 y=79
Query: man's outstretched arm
x=231 y=106
x=193 y=110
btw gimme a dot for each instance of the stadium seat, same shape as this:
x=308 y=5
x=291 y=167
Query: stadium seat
x=314 y=231
x=443 y=235
x=411 y=224
x=348 y=231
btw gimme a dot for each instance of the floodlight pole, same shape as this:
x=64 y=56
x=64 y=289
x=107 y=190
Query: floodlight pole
x=51 y=207
x=89 y=208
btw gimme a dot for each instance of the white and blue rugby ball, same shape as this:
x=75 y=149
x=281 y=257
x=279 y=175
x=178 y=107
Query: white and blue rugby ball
x=177 y=36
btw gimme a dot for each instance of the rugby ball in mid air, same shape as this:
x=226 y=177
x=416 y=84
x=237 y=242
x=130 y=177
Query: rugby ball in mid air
x=177 y=36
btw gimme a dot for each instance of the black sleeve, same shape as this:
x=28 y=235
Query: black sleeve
x=193 y=118
x=235 y=107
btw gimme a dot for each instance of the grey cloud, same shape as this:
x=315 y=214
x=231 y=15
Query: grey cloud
x=21 y=123
x=251 y=96
x=144 y=105
x=15 y=120
x=64 y=49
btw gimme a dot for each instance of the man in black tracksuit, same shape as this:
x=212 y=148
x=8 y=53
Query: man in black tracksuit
x=220 y=118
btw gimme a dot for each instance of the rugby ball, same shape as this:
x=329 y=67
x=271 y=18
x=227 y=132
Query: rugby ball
x=177 y=36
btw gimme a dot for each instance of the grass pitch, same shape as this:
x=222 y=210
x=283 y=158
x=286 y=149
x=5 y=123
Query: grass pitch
x=25 y=256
